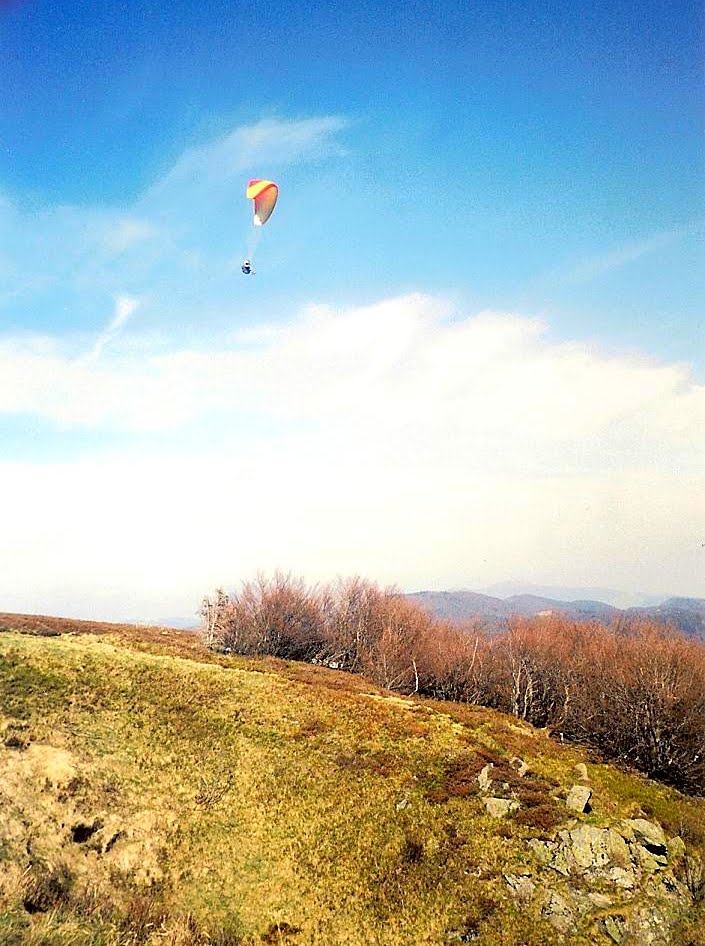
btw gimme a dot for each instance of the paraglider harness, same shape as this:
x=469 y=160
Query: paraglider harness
x=246 y=267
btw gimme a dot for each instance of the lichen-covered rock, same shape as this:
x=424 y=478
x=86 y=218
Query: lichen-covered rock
x=649 y=862
x=616 y=878
x=590 y=846
x=622 y=877
x=578 y=799
x=543 y=851
x=614 y=927
x=618 y=849
x=523 y=887
x=647 y=833
x=559 y=913
x=500 y=807
x=484 y=779
x=676 y=850
x=519 y=766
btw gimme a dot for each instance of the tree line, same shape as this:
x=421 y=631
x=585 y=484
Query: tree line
x=634 y=691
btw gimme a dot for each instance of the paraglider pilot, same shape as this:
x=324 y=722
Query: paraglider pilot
x=246 y=267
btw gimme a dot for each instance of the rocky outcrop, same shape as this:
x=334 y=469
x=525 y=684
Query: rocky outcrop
x=614 y=879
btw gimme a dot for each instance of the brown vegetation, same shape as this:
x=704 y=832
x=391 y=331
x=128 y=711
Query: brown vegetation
x=635 y=692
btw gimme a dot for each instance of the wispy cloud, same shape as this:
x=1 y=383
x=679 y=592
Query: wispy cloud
x=125 y=307
x=597 y=265
x=269 y=142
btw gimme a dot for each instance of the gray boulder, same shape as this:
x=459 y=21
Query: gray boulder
x=484 y=779
x=578 y=799
x=649 y=834
x=500 y=807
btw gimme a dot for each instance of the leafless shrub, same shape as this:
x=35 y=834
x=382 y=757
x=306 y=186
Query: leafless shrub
x=213 y=788
x=635 y=692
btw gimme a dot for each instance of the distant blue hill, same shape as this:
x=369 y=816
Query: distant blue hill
x=685 y=614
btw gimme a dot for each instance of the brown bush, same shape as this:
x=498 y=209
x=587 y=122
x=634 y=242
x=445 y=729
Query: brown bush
x=276 y=616
x=634 y=692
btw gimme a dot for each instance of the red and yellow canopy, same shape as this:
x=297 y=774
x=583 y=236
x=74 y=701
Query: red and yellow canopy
x=264 y=194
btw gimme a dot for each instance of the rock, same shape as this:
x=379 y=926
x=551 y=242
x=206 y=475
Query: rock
x=586 y=849
x=543 y=851
x=589 y=847
x=614 y=926
x=404 y=803
x=618 y=849
x=523 y=887
x=557 y=911
x=647 y=833
x=579 y=799
x=647 y=861
x=648 y=927
x=612 y=877
x=622 y=877
x=600 y=900
x=500 y=807
x=519 y=766
x=676 y=850
x=581 y=772
x=484 y=778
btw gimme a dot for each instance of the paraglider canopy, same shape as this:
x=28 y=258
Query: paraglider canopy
x=264 y=194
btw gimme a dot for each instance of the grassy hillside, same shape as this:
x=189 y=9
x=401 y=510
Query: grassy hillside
x=153 y=793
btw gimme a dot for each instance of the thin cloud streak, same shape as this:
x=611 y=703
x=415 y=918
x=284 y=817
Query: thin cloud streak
x=268 y=141
x=595 y=266
x=601 y=264
x=125 y=307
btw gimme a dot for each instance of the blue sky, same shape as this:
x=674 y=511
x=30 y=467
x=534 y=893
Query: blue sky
x=473 y=347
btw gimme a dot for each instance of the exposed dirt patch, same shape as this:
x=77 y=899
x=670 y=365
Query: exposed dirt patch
x=50 y=766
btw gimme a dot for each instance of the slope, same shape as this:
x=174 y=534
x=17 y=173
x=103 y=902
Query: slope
x=154 y=793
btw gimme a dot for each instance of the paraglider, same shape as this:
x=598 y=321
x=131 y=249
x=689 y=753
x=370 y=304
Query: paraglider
x=263 y=195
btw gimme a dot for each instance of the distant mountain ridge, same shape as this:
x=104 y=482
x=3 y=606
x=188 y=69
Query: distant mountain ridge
x=612 y=596
x=685 y=614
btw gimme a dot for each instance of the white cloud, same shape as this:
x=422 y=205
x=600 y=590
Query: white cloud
x=125 y=232
x=406 y=373
x=125 y=307
x=401 y=440
x=270 y=142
